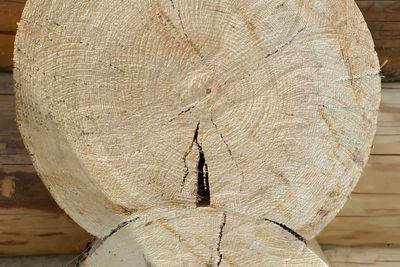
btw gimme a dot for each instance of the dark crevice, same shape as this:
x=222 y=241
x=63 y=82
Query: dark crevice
x=186 y=155
x=221 y=232
x=284 y=227
x=121 y=225
x=203 y=188
x=183 y=111
x=92 y=246
x=180 y=19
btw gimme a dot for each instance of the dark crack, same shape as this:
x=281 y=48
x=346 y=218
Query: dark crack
x=203 y=187
x=284 y=227
x=91 y=247
x=121 y=225
x=188 y=109
x=187 y=154
x=221 y=232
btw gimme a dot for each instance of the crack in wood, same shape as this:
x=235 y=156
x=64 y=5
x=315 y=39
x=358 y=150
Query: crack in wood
x=186 y=155
x=287 y=229
x=203 y=188
x=221 y=232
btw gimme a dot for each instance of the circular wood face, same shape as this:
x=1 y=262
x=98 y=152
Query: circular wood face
x=263 y=108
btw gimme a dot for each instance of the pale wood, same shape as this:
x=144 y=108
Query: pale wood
x=146 y=241
x=316 y=248
x=341 y=256
x=272 y=107
x=380 y=15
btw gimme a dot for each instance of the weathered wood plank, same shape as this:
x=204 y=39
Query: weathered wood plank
x=385 y=30
x=384 y=22
x=30 y=221
x=371 y=205
x=381 y=176
x=35 y=232
x=357 y=256
x=361 y=231
x=380 y=10
x=6 y=83
x=10 y=13
x=387 y=137
x=6 y=51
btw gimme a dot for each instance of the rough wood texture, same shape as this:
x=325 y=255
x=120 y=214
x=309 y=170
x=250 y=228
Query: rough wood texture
x=387 y=256
x=249 y=118
x=379 y=181
x=10 y=13
x=146 y=241
x=382 y=18
x=30 y=221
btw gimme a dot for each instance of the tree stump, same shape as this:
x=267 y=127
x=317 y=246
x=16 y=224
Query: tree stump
x=198 y=132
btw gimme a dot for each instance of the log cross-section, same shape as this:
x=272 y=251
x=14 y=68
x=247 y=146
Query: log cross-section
x=234 y=131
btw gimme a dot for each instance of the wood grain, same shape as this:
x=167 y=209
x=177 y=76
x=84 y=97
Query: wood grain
x=31 y=223
x=10 y=13
x=382 y=18
x=36 y=232
x=380 y=177
x=360 y=256
x=361 y=231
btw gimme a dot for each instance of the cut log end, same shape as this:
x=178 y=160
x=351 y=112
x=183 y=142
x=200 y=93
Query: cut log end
x=201 y=237
x=261 y=108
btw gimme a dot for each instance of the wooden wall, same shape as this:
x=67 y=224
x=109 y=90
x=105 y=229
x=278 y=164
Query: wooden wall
x=31 y=223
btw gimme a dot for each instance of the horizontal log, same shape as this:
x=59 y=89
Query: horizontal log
x=348 y=231
x=385 y=30
x=371 y=205
x=380 y=10
x=10 y=13
x=380 y=176
x=357 y=256
x=36 y=232
x=6 y=83
x=30 y=221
